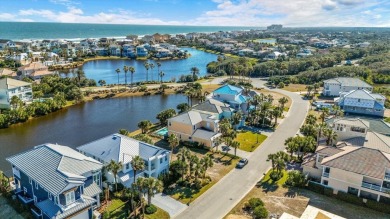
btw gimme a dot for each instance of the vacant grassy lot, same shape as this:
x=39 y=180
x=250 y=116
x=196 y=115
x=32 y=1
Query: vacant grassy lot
x=279 y=199
x=295 y=87
x=249 y=141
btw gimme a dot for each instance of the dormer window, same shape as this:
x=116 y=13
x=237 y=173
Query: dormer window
x=69 y=197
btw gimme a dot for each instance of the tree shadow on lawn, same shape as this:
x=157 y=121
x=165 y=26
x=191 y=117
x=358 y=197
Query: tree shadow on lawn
x=222 y=160
x=184 y=192
x=292 y=192
x=268 y=186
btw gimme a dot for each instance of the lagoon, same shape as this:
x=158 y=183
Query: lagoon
x=105 y=69
x=82 y=123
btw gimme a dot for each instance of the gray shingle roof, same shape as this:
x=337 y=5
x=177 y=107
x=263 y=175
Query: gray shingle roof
x=53 y=165
x=345 y=81
x=120 y=148
x=212 y=105
x=204 y=134
x=191 y=117
x=363 y=161
x=362 y=94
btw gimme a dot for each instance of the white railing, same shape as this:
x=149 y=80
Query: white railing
x=375 y=187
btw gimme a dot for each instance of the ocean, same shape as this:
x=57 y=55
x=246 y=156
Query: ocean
x=41 y=30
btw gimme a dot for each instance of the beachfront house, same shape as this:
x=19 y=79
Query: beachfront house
x=35 y=70
x=57 y=182
x=333 y=87
x=141 y=51
x=120 y=148
x=10 y=87
x=362 y=102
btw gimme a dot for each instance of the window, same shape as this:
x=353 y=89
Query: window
x=166 y=158
x=36 y=185
x=96 y=179
x=358 y=129
x=49 y=195
x=24 y=189
x=169 y=124
x=128 y=166
x=194 y=127
x=35 y=199
x=325 y=182
x=29 y=180
x=359 y=100
x=161 y=160
x=69 y=197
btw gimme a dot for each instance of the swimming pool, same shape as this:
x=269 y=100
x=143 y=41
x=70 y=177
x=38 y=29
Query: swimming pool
x=162 y=132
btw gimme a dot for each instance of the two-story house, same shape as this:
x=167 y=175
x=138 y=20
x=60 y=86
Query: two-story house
x=57 y=181
x=362 y=102
x=333 y=87
x=35 y=70
x=233 y=96
x=360 y=171
x=123 y=149
x=200 y=124
x=11 y=87
x=141 y=51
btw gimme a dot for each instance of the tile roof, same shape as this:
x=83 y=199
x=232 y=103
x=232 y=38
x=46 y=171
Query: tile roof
x=360 y=160
x=212 y=105
x=328 y=150
x=54 y=167
x=120 y=148
x=377 y=141
x=352 y=122
x=92 y=190
x=362 y=94
x=375 y=124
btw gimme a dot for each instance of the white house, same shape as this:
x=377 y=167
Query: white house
x=362 y=102
x=11 y=87
x=120 y=148
x=333 y=87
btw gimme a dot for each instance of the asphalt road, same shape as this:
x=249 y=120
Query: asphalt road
x=223 y=196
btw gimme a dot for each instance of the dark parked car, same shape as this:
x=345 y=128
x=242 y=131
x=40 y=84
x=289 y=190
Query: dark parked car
x=242 y=163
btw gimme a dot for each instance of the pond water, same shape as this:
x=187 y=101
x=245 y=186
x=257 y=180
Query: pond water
x=83 y=123
x=105 y=69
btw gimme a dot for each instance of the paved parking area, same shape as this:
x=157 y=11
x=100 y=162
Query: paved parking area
x=168 y=204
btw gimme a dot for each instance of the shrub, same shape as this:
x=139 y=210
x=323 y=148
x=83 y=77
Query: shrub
x=328 y=191
x=150 y=209
x=349 y=198
x=316 y=187
x=254 y=202
x=260 y=212
x=275 y=176
x=378 y=206
x=296 y=178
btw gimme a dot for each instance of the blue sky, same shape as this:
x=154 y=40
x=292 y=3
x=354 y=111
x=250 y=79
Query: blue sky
x=202 y=12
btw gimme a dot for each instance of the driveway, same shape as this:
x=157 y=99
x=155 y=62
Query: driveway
x=168 y=204
x=223 y=196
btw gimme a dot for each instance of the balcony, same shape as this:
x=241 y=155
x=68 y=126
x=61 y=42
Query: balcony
x=375 y=187
x=387 y=177
x=25 y=198
x=325 y=174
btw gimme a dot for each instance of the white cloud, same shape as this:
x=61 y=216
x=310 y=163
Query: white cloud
x=232 y=13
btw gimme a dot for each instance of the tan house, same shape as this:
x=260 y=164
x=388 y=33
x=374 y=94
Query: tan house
x=312 y=212
x=35 y=70
x=7 y=73
x=11 y=87
x=201 y=123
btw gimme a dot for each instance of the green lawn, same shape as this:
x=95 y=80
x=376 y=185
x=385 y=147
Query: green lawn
x=116 y=209
x=267 y=179
x=159 y=214
x=186 y=195
x=249 y=141
x=387 y=120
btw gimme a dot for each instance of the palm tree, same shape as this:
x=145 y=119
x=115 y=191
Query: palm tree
x=194 y=71
x=206 y=162
x=158 y=69
x=118 y=71
x=330 y=135
x=173 y=142
x=264 y=110
x=235 y=145
x=161 y=76
x=114 y=168
x=282 y=101
x=138 y=164
x=146 y=65
x=151 y=66
x=144 y=125
x=324 y=114
x=125 y=69
x=272 y=158
x=236 y=118
x=123 y=132
x=320 y=128
x=132 y=70
x=338 y=112
x=152 y=186
x=309 y=89
x=276 y=113
x=311 y=119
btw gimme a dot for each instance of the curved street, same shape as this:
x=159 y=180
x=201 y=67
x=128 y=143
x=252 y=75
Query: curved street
x=223 y=196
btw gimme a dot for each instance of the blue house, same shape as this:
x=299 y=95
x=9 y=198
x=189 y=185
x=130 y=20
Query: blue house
x=234 y=96
x=57 y=181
